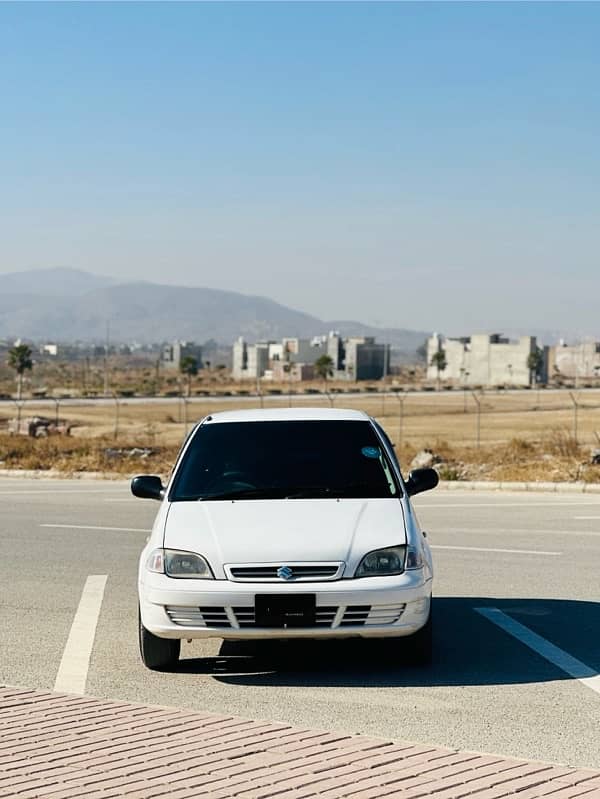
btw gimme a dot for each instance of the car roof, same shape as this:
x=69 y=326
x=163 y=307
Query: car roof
x=288 y=415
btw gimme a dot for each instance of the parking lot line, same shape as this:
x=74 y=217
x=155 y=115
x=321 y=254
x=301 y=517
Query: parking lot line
x=500 y=504
x=26 y=491
x=73 y=669
x=130 y=498
x=491 y=549
x=558 y=657
x=95 y=527
x=118 y=749
x=476 y=530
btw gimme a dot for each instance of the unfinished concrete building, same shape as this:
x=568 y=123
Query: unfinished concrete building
x=355 y=358
x=172 y=354
x=484 y=360
x=574 y=362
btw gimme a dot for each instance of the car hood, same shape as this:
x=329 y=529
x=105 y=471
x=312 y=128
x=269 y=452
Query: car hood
x=283 y=531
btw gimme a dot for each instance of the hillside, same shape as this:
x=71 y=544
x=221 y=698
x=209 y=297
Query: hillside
x=67 y=305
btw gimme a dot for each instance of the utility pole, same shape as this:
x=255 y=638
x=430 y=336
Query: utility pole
x=465 y=378
x=258 y=389
x=117 y=408
x=575 y=409
x=106 y=346
x=386 y=360
x=478 y=401
x=400 y=419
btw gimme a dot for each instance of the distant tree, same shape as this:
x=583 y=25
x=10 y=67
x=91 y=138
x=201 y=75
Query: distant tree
x=422 y=352
x=324 y=367
x=189 y=367
x=438 y=359
x=19 y=359
x=535 y=361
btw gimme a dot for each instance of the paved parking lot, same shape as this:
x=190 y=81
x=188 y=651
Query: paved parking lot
x=70 y=747
x=517 y=616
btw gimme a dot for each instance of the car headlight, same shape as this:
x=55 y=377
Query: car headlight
x=414 y=558
x=382 y=562
x=175 y=563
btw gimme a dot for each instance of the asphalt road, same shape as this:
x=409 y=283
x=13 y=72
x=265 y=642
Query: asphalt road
x=535 y=558
x=9 y=404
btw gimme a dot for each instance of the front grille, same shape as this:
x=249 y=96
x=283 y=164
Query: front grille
x=384 y=614
x=355 y=614
x=186 y=617
x=245 y=616
x=300 y=572
x=325 y=616
x=215 y=617
x=242 y=617
x=198 y=617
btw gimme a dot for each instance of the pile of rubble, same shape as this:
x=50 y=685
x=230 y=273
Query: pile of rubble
x=112 y=453
x=39 y=427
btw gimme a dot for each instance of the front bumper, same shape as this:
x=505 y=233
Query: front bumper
x=369 y=607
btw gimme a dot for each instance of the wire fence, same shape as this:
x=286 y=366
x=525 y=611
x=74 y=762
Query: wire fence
x=463 y=418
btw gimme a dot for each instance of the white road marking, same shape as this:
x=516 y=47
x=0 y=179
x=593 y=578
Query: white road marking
x=92 y=527
x=26 y=492
x=490 y=549
x=586 y=517
x=74 y=665
x=510 y=530
x=558 y=657
x=120 y=499
x=501 y=504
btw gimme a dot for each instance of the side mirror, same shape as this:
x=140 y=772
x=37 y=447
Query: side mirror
x=421 y=480
x=147 y=486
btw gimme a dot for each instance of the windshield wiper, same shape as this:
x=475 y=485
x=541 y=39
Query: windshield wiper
x=244 y=493
x=352 y=490
x=309 y=492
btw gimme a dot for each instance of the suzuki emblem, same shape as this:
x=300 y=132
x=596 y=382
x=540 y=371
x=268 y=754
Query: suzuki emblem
x=285 y=573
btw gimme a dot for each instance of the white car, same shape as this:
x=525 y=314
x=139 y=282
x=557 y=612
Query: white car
x=284 y=524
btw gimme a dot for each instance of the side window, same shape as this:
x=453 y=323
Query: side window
x=386 y=438
x=388 y=475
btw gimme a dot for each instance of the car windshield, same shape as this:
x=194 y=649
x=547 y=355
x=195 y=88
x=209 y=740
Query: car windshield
x=284 y=460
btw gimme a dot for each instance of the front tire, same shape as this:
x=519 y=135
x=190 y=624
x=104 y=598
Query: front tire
x=158 y=654
x=420 y=645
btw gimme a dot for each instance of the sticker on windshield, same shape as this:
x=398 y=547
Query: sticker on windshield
x=371 y=452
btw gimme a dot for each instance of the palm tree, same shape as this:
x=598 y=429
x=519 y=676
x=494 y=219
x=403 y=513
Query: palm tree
x=19 y=359
x=535 y=361
x=324 y=367
x=438 y=359
x=189 y=366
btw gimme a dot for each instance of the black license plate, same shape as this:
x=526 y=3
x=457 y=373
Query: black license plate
x=285 y=610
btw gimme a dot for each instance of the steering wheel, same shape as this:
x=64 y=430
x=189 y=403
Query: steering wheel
x=231 y=480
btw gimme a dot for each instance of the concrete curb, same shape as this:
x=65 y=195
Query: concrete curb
x=57 y=746
x=492 y=485
x=55 y=474
x=447 y=485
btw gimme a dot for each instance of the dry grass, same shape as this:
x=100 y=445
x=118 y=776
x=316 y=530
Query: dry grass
x=69 y=455
x=556 y=459
x=523 y=436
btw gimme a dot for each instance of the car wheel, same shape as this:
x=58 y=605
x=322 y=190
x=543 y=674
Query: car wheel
x=158 y=654
x=420 y=645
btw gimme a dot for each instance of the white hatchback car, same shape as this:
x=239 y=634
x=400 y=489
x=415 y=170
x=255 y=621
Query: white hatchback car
x=284 y=524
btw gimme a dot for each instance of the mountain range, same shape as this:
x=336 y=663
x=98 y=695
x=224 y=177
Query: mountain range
x=73 y=305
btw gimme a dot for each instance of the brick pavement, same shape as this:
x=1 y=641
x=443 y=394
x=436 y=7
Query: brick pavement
x=54 y=746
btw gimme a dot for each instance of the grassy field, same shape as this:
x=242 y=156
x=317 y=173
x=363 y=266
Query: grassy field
x=522 y=435
x=416 y=419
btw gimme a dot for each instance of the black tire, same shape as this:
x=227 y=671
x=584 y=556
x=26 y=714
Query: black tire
x=419 y=647
x=158 y=654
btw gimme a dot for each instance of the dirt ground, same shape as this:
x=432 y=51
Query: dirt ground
x=522 y=435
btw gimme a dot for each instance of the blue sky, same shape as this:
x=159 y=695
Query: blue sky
x=434 y=166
